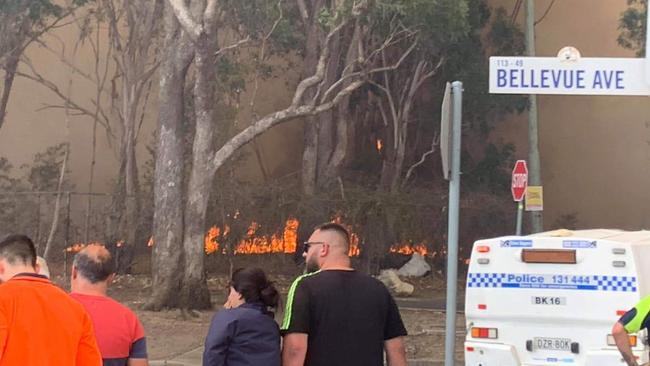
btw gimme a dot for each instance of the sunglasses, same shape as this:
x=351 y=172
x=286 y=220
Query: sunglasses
x=306 y=245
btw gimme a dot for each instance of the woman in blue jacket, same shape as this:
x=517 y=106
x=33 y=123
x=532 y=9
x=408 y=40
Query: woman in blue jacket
x=244 y=333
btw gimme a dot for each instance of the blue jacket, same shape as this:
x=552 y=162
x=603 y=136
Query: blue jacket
x=243 y=336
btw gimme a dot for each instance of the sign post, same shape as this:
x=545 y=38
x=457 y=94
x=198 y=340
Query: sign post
x=452 y=231
x=518 y=188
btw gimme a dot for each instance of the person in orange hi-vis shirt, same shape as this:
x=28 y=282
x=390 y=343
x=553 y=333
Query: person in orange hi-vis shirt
x=40 y=325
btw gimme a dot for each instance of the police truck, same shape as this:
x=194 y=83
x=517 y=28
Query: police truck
x=552 y=298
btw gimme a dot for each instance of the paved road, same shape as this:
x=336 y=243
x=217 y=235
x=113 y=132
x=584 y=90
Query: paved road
x=427 y=304
x=193 y=358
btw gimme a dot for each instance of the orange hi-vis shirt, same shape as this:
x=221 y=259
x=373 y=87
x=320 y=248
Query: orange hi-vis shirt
x=40 y=325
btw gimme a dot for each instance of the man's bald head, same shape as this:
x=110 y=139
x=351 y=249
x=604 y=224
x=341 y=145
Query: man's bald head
x=335 y=234
x=94 y=263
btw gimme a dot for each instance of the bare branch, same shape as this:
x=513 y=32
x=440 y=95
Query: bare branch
x=237 y=44
x=55 y=89
x=373 y=71
x=193 y=29
x=434 y=143
x=274 y=119
x=320 y=68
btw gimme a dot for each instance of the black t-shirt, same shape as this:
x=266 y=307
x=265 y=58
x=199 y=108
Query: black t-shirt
x=347 y=316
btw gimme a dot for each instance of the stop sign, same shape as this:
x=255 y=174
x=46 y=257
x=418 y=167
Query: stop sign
x=519 y=180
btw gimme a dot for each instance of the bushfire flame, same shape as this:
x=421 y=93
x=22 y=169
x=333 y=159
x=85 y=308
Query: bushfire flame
x=380 y=144
x=409 y=249
x=285 y=242
x=253 y=244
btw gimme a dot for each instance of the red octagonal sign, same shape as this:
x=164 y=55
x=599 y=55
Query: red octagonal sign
x=519 y=180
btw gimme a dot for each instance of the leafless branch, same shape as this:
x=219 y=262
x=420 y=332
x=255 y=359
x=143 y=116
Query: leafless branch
x=37 y=77
x=434 y=144
x=233 y=46
x=373 y=71
x=274 y=119
x=320 y=68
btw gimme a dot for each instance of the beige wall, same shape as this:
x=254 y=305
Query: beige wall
x=595 y=151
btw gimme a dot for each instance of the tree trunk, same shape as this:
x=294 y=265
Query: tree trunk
x=167 y=258
x=310 y=139
x=47 y=254
x=340 y=149
x=130 y=197
x=310 y=156
x=10 y=68
x=195 y=294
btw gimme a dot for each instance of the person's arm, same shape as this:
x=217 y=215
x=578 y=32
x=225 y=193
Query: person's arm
x=138 y=362
x=4 y=328
x=294 y=349
x=394 y=332
x=395 y=352
x=295 y=326
x=622 y=339
x=88 y=351
x=221 y=333
x=138 y=353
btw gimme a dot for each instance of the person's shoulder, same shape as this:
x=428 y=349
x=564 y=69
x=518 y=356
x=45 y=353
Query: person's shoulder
x=227 y=316
x=372 y=282
x=306 y=279
x=107 y=304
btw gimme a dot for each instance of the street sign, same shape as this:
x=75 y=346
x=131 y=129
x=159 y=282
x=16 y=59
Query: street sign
x=445 y=135
x=577 y=76
x=519 y=180
x=534 y=198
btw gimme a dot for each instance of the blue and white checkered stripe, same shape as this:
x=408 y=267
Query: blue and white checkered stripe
x=485 y=279
x=616 y=283
x=597 y=283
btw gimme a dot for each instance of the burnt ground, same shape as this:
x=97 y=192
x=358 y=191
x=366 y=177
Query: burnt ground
x=170 y=333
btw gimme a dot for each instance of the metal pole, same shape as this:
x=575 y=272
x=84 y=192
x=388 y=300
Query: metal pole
x=452 y=234
x=534 y=165
x=647 y=47
x=520 y=210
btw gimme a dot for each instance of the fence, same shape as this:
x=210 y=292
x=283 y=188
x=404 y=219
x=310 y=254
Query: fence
x=82 y=217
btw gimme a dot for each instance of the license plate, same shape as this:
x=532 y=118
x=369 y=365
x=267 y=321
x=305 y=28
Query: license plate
x=549 y=300
x=552 y=344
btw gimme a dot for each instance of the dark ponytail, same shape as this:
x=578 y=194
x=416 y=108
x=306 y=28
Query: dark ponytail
x=254 y=286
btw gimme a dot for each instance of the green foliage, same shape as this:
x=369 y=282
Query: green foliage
x=255 y=19
x=632 y=25
x=468 y=62
x=231 y=76
x=43 y=174
x=492 y=172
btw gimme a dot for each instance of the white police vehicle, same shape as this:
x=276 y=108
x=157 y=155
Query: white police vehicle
x=552 y=298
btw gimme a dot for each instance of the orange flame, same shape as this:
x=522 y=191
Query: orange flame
x=150 y=242
x=252 y=244
x=354 y=238
x=409 y=249
x=77 y=247
x=380 y=144
x=211 y=244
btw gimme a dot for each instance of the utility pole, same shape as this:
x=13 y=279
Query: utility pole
x=534 y=166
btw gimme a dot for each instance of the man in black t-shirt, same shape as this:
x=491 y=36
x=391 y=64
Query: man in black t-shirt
x=336 y=316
